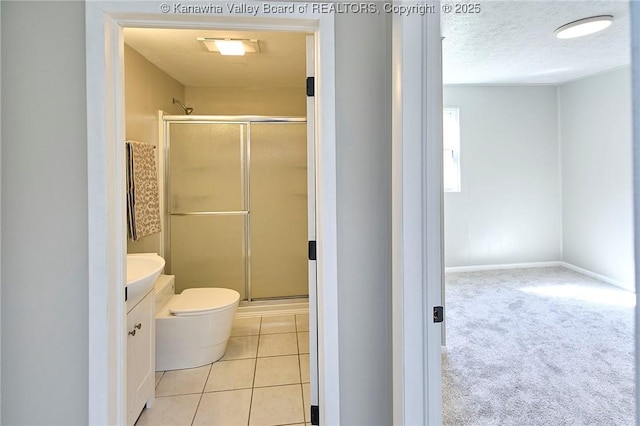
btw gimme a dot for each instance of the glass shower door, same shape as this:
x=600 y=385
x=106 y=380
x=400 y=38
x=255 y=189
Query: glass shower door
x=278 y=205
x=207 y=200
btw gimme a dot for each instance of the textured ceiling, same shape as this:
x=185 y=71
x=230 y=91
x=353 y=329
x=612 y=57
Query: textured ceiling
x=508 y=42
x=177 y=52
x=512 y=42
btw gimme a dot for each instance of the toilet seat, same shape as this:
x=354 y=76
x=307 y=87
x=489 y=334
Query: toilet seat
x=197 y=301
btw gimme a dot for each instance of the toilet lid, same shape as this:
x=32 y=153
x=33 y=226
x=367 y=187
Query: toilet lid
x=199 y=300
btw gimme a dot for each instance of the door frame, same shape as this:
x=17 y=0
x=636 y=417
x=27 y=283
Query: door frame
x=106 y=185
x=417 y=217
x=634 y=17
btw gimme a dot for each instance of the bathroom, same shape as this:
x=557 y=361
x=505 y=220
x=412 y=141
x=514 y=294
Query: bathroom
x=171 y=99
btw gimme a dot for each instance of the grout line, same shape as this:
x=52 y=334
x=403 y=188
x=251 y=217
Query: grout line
x=278 y=356
x=295 y=319
x=195 y=413
x=278 y=386
x=178 y=394
x=258 y=346
x=161 y=376
x=304 y=414
x=255 y=371
x=227 y=390
x=300 y=368
x=174 y=395
x=275 y=334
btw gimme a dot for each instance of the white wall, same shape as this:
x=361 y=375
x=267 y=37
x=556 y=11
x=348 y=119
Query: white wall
x=44 y=200
x=275 y=101
x=363 y=126
x=147 y=90
x=44 y=214
x=508 y=210
x=596 y=175
x=0 y=217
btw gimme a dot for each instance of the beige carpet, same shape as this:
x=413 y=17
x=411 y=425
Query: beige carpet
x=539 y=346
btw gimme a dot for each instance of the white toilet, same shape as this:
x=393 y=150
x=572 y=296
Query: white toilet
x=192 y=328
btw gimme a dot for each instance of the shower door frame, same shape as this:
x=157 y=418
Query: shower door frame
x=246 y=174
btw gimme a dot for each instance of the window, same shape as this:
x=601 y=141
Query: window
x=451 y=150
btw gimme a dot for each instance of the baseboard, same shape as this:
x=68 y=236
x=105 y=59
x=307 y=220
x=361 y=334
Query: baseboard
x=598 y=277
x=574 y=268
x=502 y=266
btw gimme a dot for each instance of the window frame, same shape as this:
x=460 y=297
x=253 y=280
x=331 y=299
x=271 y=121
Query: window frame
x=451 y=144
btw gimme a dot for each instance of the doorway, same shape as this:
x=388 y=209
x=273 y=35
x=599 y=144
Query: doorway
x=104 y=59
x=511 y=220
x=237 y=188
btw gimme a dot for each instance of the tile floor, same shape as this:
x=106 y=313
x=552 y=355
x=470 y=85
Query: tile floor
x=263 y=379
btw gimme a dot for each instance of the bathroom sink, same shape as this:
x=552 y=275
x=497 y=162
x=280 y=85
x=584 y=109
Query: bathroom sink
x=142 y=271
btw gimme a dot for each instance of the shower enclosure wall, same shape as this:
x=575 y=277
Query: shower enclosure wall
x=236 y=204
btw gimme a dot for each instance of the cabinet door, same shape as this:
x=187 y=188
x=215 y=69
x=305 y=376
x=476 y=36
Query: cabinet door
x=140 y=357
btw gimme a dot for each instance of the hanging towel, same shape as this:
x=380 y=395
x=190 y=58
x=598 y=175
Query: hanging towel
x=143 y=205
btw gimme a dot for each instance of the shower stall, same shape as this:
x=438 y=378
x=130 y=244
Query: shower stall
x=236 y=204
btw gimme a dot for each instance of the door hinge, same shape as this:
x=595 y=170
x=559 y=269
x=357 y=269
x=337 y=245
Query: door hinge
x=125 y=294
x=315 y=415
x=438 y=313
x=311 y=86
x=312 y=250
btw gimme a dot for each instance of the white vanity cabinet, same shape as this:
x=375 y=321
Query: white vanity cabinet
x=140 y=357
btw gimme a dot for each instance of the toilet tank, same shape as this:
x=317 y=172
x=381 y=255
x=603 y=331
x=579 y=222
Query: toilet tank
x=164 y=288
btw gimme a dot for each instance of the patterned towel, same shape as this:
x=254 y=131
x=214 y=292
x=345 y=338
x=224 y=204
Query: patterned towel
x=143 y=205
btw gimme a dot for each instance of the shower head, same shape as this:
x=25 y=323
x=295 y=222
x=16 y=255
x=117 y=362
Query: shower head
x=187 y=110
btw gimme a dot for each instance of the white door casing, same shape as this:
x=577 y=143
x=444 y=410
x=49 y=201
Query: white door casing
x=106 y=177
x=417 y=218
x=311 y=212
x=634 y=9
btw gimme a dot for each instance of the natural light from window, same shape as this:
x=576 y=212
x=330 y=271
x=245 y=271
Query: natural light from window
x=451 y=150
x=594 y=294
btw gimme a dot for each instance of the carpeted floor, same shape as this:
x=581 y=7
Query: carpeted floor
x=539 y=346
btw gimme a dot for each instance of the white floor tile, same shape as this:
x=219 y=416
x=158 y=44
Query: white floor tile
x=278 y=324
x=181 y=382
x=241 y=348
x=230 y=408
x=246 y=326
x=241 y=389
x=302 y=322
x=306 y=406
x=303 y=342
x=277 y=344
x=304 y=368
x=229 y=375
x=280 y=370
x=279 y=405
x=170 y=411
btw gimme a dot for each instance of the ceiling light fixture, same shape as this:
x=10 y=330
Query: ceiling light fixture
x=230 y=47
x=583 y=27
x=234 y=47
